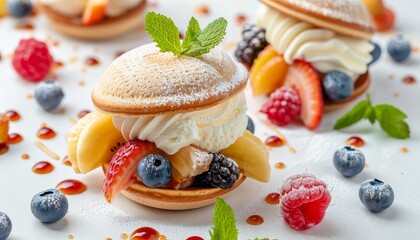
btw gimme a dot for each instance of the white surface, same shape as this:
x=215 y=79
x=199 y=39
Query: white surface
x=90 y=217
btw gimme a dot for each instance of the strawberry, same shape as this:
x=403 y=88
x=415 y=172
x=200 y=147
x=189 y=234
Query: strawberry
x=305 y=80
x=122 y=167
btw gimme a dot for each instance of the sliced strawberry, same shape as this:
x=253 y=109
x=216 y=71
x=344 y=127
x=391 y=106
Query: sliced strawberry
x=306 y=81
x=122 y=168
x=94 y=11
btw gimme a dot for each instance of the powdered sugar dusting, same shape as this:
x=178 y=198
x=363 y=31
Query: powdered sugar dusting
x=351 y=11
x=145 y=78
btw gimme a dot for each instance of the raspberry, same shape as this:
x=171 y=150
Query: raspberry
x=304 y=200
x=283 y=106
x=32 y=60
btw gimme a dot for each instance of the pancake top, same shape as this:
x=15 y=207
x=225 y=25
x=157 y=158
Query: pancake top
x=145 y=81
x=348 y=17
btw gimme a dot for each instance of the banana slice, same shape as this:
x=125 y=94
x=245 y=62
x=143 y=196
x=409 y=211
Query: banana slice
x=251 y=155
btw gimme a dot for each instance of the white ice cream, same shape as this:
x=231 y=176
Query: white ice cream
x=323 y=48
x=73 y=8
x=211 y=129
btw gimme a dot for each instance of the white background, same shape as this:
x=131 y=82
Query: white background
x=90 y=217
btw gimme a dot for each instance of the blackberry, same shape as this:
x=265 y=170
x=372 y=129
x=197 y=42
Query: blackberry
x=223 y=173
x=252 y=43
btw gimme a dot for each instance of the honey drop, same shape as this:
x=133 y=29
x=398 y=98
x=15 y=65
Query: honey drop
x=355 y=141
x=71 y=187
x=144 y=233
x=274 y=141
x=42 y=167
x=14 y=138
x=272 y=198
x=46 y=133
x=255 y=220
x=13 y=116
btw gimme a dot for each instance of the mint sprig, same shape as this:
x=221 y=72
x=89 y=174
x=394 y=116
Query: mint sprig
x=196 y=43
x=390 y=118
x=224 y=222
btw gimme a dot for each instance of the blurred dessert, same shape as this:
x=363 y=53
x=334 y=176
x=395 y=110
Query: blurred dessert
x=311 y=55
x=93 y=19
x=170 y=126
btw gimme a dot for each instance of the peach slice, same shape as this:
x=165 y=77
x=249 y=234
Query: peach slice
x=94 y=11
x=385 y=21
x=4 y=128
x=270 y=77
x=375 y=7
x=265 y=55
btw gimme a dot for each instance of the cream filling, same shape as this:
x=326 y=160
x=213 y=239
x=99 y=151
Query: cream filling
x=323 y=48
x=211 y=129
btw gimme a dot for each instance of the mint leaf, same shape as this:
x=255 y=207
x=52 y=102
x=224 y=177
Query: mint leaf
x=370 y=115
x=224 y=222
x=209 y=38
x=392 y=121
x=353 y=116
x=193 y=31
x=164 y=32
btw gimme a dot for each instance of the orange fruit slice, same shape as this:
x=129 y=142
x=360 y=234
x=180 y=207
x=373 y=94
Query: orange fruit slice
x=94 y=11
x=270 y=77
x=385 y=21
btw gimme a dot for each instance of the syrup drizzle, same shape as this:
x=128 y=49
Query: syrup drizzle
x=279 y=134
x=71 y=187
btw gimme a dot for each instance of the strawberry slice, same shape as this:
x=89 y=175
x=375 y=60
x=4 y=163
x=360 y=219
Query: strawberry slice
x=122 y=168
x=94 y=11
x=306 y=81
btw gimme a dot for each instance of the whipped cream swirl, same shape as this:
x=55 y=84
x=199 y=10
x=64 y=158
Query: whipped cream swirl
x=211 y=129
x=323 y=48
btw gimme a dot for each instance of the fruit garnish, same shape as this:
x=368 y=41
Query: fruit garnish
x=94 y=11
x=4 y=128
x=251 y=155
x=337 y=85
x=187 y=163
x=32 y=60
x=265 y=55
x=283 y=106
x=270 y=76
x=92 y=141
x=389 y=117
x=154 y=171
x=376 y=53
x=49 y=206
x=48 y=95
x=305 y=80
x=304 y=201
x=375 y=7
x=3 y=8
x=349 y=161
x=399 y=49
x=19 y=8
x=385 y=21
x=6 y=226
x=196 y=42
x=122 y=167
x=223 y=173
x=252 y=43
x=376 y=195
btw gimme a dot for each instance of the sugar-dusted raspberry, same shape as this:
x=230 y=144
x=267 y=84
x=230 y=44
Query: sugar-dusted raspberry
x=283 y=106
x=304 y=201
x=32 y=60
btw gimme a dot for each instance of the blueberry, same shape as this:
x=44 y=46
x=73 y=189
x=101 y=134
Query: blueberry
x=48 y=94
x=349 y=161
x=376 y=53
x=154 y=170
x=19 y=8
x=5 y=226
x=337 y=85
x=399 y=48
x=376 y=195
x=49 y=206
x=250 y=127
